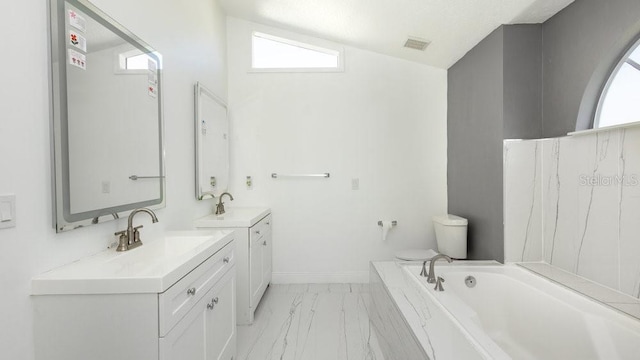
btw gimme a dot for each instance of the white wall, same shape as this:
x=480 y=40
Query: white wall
x=382 y=121
x=192 y=40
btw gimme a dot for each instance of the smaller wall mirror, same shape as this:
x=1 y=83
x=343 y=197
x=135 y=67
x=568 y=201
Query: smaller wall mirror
x=620 y=97
x=212 y=143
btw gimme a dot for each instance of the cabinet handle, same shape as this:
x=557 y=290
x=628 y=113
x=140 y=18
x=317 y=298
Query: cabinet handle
x=215 y=300
x=257 y=232
x=268 y=222
x=210 y=305
x=225 y=260
x=191 y=291
x=264 y=243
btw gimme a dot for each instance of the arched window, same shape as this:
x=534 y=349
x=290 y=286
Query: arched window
x=620 y=100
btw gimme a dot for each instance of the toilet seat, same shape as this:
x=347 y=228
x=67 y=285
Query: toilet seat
x=415 y=254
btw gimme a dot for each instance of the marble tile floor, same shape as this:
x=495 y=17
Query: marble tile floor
x=311 y=322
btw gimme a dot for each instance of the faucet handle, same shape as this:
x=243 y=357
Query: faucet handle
x=424 y=272
x=220 y=208
x=123 y=241
x=136 y=233
x=439 y=284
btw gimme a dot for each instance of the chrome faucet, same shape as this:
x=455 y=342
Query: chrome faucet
x=431 y=275
x=130 y=238
x=220 y=205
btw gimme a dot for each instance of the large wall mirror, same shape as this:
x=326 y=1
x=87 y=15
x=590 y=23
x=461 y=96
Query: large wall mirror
x=106 y=117
x=212 y=143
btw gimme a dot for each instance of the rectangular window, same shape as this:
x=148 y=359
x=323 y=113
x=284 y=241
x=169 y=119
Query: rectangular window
x=275 y=54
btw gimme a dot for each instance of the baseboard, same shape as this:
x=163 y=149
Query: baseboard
x=358 y=277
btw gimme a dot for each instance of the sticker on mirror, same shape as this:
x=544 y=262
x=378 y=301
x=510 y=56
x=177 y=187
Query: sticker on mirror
x=77 y=40
x=77 y=59
x=77 y=21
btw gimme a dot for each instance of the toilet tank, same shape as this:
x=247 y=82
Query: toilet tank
x=451 y=235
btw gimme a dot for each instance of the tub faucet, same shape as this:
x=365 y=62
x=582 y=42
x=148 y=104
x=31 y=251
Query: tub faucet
x=431 y=275
x=130 y=238
x=220 y=205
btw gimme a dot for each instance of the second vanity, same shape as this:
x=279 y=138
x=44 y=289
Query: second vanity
x=252 y=229
x=171 y=299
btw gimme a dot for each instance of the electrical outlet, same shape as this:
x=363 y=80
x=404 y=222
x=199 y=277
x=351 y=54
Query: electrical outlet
x=106 y=187
x=249 y=183
x=7 y=211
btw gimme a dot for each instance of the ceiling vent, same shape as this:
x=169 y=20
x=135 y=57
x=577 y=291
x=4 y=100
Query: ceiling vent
x=416 y=43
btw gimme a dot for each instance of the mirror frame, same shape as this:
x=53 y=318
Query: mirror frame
x=63 y=219
x=198 y=90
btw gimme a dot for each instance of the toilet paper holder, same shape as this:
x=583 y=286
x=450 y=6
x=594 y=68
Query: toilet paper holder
x=393 y=223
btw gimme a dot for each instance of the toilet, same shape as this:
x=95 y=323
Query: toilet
x=451 y=235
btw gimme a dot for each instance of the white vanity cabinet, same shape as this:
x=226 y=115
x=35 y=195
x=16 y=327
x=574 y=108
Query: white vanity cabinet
x=252 y=231
x=208 y=331
x=260 y=261
x=174 y=301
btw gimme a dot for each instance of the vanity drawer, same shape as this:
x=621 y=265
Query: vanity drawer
x=184 y=294
x=261 y=228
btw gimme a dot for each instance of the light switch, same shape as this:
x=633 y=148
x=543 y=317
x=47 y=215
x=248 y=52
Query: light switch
x=355 y=184
x=7 y=211
x=106 y=187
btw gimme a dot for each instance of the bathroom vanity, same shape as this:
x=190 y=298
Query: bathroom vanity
x=252 y=231
x=171 y=299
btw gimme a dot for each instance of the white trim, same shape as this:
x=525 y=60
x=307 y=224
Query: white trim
x=360 y=277
x=294 y=70
x=602 y=129
x=302 y=42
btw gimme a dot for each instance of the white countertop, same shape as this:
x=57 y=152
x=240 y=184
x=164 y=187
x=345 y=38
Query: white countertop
x=150 y=268
x=240 y=217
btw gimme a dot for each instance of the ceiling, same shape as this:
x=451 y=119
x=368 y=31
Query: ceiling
x=452 y=26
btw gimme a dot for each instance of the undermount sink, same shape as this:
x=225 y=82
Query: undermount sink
x=161 y=250
x=234 y=217
x=152 y=267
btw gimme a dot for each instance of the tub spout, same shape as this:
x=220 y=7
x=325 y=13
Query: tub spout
x=431 y=277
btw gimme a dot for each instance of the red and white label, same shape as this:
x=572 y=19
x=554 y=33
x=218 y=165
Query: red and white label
x=77 y=59
x=77 y=21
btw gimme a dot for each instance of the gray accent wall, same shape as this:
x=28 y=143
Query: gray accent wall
x=581 y=45
x=526 y=81
x=522 y=70
x=494 y=92
x=474 y=137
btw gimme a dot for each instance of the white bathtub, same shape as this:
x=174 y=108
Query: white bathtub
x=514 y=314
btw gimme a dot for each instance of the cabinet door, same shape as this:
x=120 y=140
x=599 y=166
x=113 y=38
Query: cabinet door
x=221 y=320
x=267 y=260
x=256 y=278
x=186 y=341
